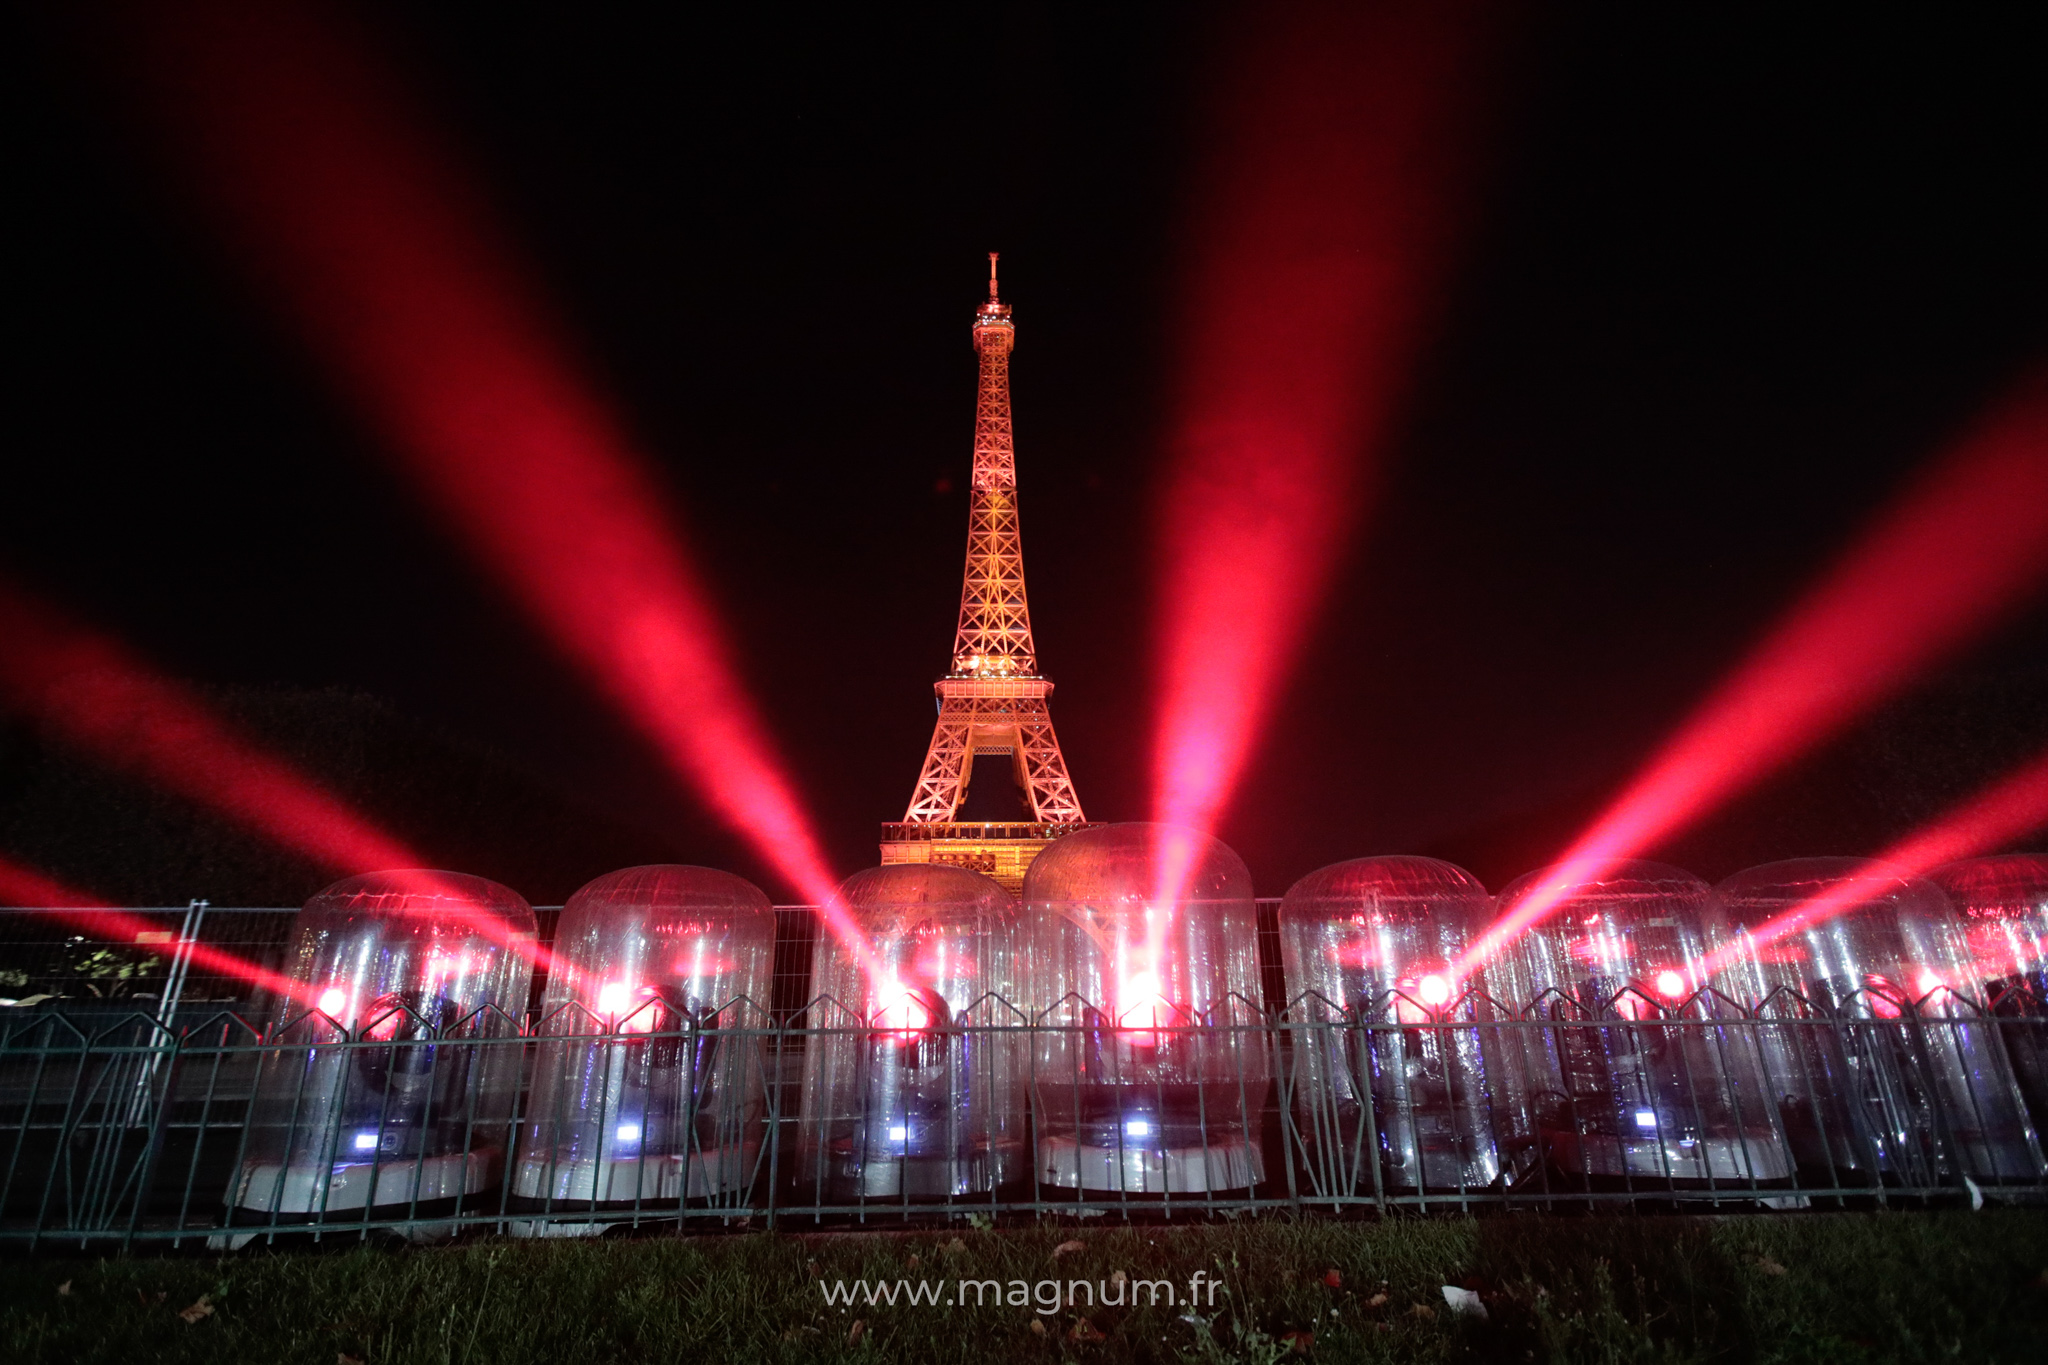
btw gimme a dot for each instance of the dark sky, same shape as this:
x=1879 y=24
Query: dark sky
x=1730 y=280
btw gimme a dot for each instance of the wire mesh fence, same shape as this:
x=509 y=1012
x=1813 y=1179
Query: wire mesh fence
x=147 y=1106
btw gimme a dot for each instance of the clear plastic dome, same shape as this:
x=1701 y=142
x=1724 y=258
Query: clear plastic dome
x=420 y=971
x=2003 y=903
x=912 y=1088
x=1367 y=947
x=648 y=1083
x=1893 y=1067
x=1151 y=1069
x=1649 y=1089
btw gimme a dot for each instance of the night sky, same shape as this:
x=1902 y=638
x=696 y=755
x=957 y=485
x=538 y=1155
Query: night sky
x=1729 y=282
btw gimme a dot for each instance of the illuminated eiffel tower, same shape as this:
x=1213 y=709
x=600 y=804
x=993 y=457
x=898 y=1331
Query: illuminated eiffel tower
x=993 y=703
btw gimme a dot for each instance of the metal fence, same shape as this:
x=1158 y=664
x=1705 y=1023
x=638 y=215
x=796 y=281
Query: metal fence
x=143 y=1104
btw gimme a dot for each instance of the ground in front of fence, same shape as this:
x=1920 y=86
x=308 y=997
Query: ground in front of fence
x=1834 y=1288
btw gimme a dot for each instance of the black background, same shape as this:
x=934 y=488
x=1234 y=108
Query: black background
x=1731 y=280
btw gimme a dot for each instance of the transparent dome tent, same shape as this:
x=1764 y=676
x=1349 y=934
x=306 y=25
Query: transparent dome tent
x=1885 y=1070
x=1629 y=1084
x=913 y=1078
x=1382 y=1076
x=2003 y=904
x=649 y=1085
x=422 y=978
x=1151 y=1072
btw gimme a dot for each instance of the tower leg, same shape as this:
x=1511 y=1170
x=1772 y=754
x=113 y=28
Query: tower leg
x=940 y=785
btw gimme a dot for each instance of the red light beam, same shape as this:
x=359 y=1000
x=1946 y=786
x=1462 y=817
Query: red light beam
x=1957 y=550
x=359 y=221
x=2017 y=804
x=1327 y=207
x=27 y=888
x=97 y=696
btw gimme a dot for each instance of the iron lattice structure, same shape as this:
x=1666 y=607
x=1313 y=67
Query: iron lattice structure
x=994 y=699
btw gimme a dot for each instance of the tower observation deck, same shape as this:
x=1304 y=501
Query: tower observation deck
x=993 y=702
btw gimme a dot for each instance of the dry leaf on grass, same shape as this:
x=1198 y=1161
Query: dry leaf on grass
x=1423 y=1311
x=65 y=1289
x=1300 y=1341
x=203 y=1308
x=1464 y=1302
x=954 y=1247
x=344 y=1358
x=1377 y=1301
x=1769 y=1266
x=915 y=1260
x=1118 y=1277
x=1038 y=1327
x=1085 y=1330
x=1334 y=1278
x=857 y=1331
x=1064 y=1247
x=812 y=1266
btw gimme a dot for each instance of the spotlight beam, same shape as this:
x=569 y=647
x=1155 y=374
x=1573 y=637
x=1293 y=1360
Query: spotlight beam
x=2015 y=805
x=95 y=695
x=42 y=894
x=1325 y=210
x=379 y=251
x=1952 y=555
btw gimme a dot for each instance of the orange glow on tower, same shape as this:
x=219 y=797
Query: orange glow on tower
x=994 y=699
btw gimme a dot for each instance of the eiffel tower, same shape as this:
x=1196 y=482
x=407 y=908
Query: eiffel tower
x=992 y=705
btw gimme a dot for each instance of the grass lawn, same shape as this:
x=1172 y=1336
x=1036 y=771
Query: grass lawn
x=1833 y=1288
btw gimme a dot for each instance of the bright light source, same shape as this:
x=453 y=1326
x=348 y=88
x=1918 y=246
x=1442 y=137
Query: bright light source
x=1929 y=982
x=1139 y=1000
x=1137 y=1128
x=366 y=1142
x=899 y=1133
x=903 y=1012
x=333 y=1002
x=1646 y=1118
x=613 y=997
x=1670 y=985
x=629 y=1132
x=1433 y=989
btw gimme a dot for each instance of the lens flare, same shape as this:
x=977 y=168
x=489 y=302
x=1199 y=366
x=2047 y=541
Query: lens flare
x=1326 y=207
x=339 y=196
x=1956 y=551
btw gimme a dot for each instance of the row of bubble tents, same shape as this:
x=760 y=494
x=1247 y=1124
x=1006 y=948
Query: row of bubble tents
x=1106 y=1032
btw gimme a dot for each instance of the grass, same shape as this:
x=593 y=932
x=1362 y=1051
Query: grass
x=1834 y=1288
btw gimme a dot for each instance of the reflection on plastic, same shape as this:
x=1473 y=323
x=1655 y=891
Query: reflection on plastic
x=900 y=1100
x=1152 y=1069
x=1619 y=1097
x=413 y=1116
x=649 y=1082
x=1367 y=944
